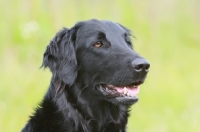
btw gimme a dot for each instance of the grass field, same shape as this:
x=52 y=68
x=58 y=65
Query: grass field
x=167 y=34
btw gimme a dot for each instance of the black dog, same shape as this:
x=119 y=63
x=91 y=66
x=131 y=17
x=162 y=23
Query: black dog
x=96 y=78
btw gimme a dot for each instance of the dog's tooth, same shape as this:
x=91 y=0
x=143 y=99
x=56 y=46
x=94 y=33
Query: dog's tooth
x=125 y=91
x=128 y=94
x=110 y=86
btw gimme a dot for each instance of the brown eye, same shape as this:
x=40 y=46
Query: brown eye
x=98 y=44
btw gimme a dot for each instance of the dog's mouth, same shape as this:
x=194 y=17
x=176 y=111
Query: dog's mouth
x=126 y=94
x=119 y=91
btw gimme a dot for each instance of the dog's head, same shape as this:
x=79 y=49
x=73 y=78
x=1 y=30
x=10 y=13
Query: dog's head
x=99 y=56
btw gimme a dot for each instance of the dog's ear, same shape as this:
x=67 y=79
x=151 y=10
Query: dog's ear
x=60 y=56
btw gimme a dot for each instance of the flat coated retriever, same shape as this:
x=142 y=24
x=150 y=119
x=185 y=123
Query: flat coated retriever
x=96 y=78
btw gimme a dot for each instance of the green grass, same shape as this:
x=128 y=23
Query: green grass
x=167 y=34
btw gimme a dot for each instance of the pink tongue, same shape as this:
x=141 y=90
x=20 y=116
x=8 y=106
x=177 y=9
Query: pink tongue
x=131 y=90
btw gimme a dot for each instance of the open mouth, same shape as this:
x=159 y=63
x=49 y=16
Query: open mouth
x=120 y=94
x=112 y=91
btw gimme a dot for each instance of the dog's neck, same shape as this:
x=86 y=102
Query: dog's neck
x=97 y=113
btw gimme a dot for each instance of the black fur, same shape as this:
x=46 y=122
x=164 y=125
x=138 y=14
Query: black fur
x=73 y=103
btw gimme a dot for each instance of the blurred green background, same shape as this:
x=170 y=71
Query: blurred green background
x=167 y=34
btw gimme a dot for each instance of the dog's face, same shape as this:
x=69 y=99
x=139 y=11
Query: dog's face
x=101 y=58
x=105 y=55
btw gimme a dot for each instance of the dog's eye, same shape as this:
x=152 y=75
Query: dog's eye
x=128 y=40
x=98 y=44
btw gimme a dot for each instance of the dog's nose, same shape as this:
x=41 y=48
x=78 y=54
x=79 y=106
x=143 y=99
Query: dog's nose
x=141 y=65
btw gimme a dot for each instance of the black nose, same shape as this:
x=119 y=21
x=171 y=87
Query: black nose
x=141 y=65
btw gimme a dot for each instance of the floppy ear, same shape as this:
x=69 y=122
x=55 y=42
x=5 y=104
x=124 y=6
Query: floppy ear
x=60 y=56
